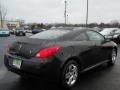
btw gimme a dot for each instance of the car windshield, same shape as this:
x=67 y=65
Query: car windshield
x=50 y=34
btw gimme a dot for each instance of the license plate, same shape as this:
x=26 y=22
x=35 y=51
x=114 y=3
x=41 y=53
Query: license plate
x=17 y=63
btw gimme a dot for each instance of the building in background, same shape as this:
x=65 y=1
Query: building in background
x=4 y=24
x=13 y=24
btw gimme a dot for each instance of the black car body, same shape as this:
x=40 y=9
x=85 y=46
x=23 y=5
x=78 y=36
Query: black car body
x=20 y=32
x=53 y=52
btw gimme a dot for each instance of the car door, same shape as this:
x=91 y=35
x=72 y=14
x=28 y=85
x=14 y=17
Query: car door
x=98 y=40
x=87 y=50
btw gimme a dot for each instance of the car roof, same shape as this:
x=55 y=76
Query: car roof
x=76 y=30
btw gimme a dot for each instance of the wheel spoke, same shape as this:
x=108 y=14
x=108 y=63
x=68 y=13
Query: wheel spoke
x=68 y=75
x=74 y=77
x=70 y=80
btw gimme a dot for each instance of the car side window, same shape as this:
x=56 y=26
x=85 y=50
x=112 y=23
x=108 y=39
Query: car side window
x=94 y=36
x=82 y=37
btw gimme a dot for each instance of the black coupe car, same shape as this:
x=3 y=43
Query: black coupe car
x=60 y=54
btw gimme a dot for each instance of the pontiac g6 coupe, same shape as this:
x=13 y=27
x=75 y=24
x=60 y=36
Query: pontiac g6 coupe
x=60 y=54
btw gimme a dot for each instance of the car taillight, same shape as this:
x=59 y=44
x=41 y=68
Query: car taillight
x=46 y=52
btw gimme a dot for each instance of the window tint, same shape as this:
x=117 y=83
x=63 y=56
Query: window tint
x=50 y=34
x=81 y=37
x=94 y=36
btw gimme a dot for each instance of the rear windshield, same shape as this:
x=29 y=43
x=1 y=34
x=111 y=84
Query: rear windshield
x=50 y=34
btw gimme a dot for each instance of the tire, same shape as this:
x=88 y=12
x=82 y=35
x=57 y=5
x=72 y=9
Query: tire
x=23 y=77
x=24 y=34
x=113 y=57
x=118 y=40
x=8 y=35
x=70 y=74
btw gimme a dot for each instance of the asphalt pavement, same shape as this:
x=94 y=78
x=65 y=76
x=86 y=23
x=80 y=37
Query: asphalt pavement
x=100 y=78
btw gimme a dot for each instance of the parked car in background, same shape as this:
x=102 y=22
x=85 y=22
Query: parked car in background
x=112 y=34
x=12 y=32
x=4 y=32
x=20 y=32
x=60 y=54
x=35 y=31
x=28 y=31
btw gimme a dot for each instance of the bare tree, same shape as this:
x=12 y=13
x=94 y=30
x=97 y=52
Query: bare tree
x=3 y=14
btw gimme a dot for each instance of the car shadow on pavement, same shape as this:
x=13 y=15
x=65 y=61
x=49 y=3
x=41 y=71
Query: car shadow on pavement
x=92 y=78
x=86 y=80
x=38 y=84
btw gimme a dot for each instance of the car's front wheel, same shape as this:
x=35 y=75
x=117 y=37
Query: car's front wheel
x=24 y=34
x=70 y=74
x=113 y=57
x=118 y=40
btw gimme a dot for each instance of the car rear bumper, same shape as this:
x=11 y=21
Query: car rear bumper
x=34 y=67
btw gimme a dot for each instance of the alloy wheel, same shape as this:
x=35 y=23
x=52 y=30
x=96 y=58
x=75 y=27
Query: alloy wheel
x=114 y=56
x=71 y=74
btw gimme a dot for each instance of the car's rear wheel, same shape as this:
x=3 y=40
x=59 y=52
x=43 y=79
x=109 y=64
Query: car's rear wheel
x=70 y=74
x=113 y=57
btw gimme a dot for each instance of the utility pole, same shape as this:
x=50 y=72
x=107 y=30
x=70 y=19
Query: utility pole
x=65 y=13
x=67 y=19
x=87 y=13
x=3 y=13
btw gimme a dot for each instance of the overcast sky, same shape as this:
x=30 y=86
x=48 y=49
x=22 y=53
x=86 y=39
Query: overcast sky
x=52 y=11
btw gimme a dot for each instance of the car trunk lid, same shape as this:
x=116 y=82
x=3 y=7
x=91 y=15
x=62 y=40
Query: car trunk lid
x=27 y=48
